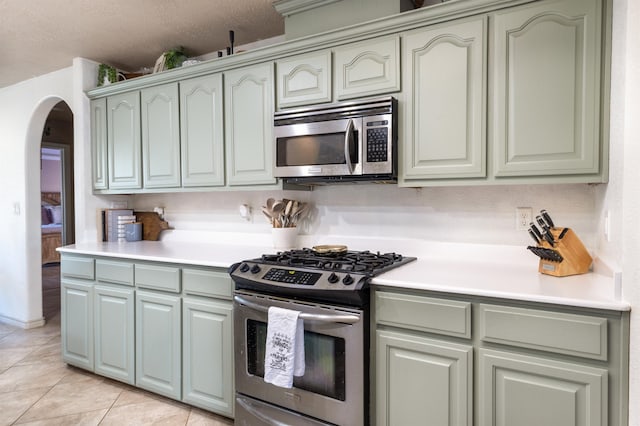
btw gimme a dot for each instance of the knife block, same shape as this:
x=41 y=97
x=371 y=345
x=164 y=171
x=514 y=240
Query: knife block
x=575 y=257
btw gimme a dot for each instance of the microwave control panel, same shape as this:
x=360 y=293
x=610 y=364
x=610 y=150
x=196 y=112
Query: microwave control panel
x=377 y=144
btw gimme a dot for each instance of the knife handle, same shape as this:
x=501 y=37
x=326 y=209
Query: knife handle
x=542 y=223
x=547 y=218
x=535 y=230
x=547 y=236
x=534 y=236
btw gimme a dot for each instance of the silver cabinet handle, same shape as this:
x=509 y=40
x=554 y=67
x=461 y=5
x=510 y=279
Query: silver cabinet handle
x=347 y=138
x=344 y=318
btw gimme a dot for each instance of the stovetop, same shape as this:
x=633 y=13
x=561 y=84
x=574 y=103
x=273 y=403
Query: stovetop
x=307 y=274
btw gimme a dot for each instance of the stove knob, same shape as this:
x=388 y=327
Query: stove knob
x=244 y=267
x=348 y=280
x=255 y=269
x=333 y=278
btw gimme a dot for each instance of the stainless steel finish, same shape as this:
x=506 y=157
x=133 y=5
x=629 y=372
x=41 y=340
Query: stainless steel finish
x=322 y=284
x=348 y=412
x=326 y=127
x=348 y=136
x=251 y=412
x=344 y=318
x=355 y=107
x=322 y=124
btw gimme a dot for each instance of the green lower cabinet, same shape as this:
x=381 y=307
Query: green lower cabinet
x=158 y=343
x=532 y=391
x=114 y=332
x=208 y=354
x=77 y=322
x=421 y=381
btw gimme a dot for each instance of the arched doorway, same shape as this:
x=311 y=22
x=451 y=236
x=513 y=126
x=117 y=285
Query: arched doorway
x=56 y=200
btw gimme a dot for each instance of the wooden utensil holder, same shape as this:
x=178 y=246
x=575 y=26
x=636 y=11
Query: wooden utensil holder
x=575 y=257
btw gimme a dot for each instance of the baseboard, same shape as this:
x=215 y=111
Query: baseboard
x=22 y=324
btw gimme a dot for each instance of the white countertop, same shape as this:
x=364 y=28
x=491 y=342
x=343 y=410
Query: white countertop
x=508 y=272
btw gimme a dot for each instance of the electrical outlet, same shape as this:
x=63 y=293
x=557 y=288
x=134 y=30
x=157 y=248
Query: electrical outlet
x=524 y=217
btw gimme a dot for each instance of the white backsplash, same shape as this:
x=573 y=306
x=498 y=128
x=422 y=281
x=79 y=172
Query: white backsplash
x=484 y=215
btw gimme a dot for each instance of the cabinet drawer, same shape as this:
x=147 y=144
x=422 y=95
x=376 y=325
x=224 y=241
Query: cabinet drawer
x=440 y=316
x=110 y=271
x=77 y=267
x=207 y=283
x=570 y=334
x=156 y=277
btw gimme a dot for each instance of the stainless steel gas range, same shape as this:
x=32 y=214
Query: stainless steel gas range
x=329 y=286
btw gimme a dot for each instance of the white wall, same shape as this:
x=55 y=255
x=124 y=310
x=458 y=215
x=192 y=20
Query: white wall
x=463 y=214
x=24 y=108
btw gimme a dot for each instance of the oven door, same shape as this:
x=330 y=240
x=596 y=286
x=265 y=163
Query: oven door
x=333 y=387
x=323 y=148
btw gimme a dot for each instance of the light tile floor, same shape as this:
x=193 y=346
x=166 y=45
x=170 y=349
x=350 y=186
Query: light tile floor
x=37 y=388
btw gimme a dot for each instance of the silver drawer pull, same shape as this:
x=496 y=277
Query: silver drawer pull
x=344 y=318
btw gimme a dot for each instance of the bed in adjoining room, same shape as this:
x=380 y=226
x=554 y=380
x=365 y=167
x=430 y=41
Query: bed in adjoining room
x=51 y=212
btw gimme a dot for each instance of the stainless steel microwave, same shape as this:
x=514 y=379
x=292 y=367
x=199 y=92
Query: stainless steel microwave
x=343 y=142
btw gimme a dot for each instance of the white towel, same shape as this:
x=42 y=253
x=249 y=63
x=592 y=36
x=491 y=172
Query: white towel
x=284 y=357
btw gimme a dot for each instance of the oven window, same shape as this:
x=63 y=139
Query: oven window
x=311 y=150
x=324 y=360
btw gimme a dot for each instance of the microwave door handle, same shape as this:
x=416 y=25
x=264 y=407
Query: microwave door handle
x=348 y=136
x=341 y=318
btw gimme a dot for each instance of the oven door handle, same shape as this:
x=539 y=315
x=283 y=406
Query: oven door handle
x=347 y=138
x=257 y=414
x=344 y=318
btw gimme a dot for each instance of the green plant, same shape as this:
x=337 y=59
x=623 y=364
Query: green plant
x=107 y=71
x=174 y=58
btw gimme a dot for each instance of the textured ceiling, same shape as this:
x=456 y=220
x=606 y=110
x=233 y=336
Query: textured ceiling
x=41 y=36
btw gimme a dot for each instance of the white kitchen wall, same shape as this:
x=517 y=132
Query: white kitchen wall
x=460 y=214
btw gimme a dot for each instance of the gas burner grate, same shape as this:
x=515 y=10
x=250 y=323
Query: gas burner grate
x=350 y=261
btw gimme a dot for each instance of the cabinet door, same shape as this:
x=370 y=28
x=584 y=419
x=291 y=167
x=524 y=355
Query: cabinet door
x=77 y=322
x=545 y=91
x=161 y=136
x=444 y=128
x=530 y=391
x=99 y=143
x=123 y=141
x=201 y=131
x=304 y=80
x=419 y=379
x=208 y=355
x=368 y=68
x=249 y=105
x=114 y=333
x=158 y=345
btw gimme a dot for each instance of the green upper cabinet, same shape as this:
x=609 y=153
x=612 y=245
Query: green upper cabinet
x=99 y=143
x=123 y=141
x=545 y=88
x=444 y=114
x=201 y=131
x=304 y=80
x=249 y=106
x=367 y=68
x=161 y=136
